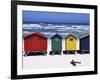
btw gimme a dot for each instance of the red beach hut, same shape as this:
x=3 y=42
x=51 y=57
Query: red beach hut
x=36 y=43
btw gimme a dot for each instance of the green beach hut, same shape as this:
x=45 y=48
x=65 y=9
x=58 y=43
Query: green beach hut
x=56 y=42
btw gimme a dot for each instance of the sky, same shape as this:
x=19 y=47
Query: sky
x=55 y=17
x=51 y=23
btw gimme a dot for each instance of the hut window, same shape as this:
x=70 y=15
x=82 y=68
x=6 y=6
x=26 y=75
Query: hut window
x=56 y=39
x=39 y=38
x=71 y=39
x=30 y=39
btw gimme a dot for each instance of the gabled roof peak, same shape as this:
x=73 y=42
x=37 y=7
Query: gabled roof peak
x=56 y=35
x=38 y=34
x=71 y=35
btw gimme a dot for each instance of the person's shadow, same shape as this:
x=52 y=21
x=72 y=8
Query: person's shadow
x=74 y=63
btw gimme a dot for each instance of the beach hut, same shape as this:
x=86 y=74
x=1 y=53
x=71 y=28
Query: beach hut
x=35 y=43
x=70 y=43
x=56 y=42
x=85 y=44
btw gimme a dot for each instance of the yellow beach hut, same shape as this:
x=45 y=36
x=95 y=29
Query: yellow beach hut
x=70 y=43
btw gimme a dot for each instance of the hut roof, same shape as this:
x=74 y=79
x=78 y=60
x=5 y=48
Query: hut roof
x=71 y=35
x=40 y=35
x=84 y=36
x=56 y=35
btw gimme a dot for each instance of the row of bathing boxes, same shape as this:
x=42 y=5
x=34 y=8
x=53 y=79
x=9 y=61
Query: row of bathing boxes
x=37 y=44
